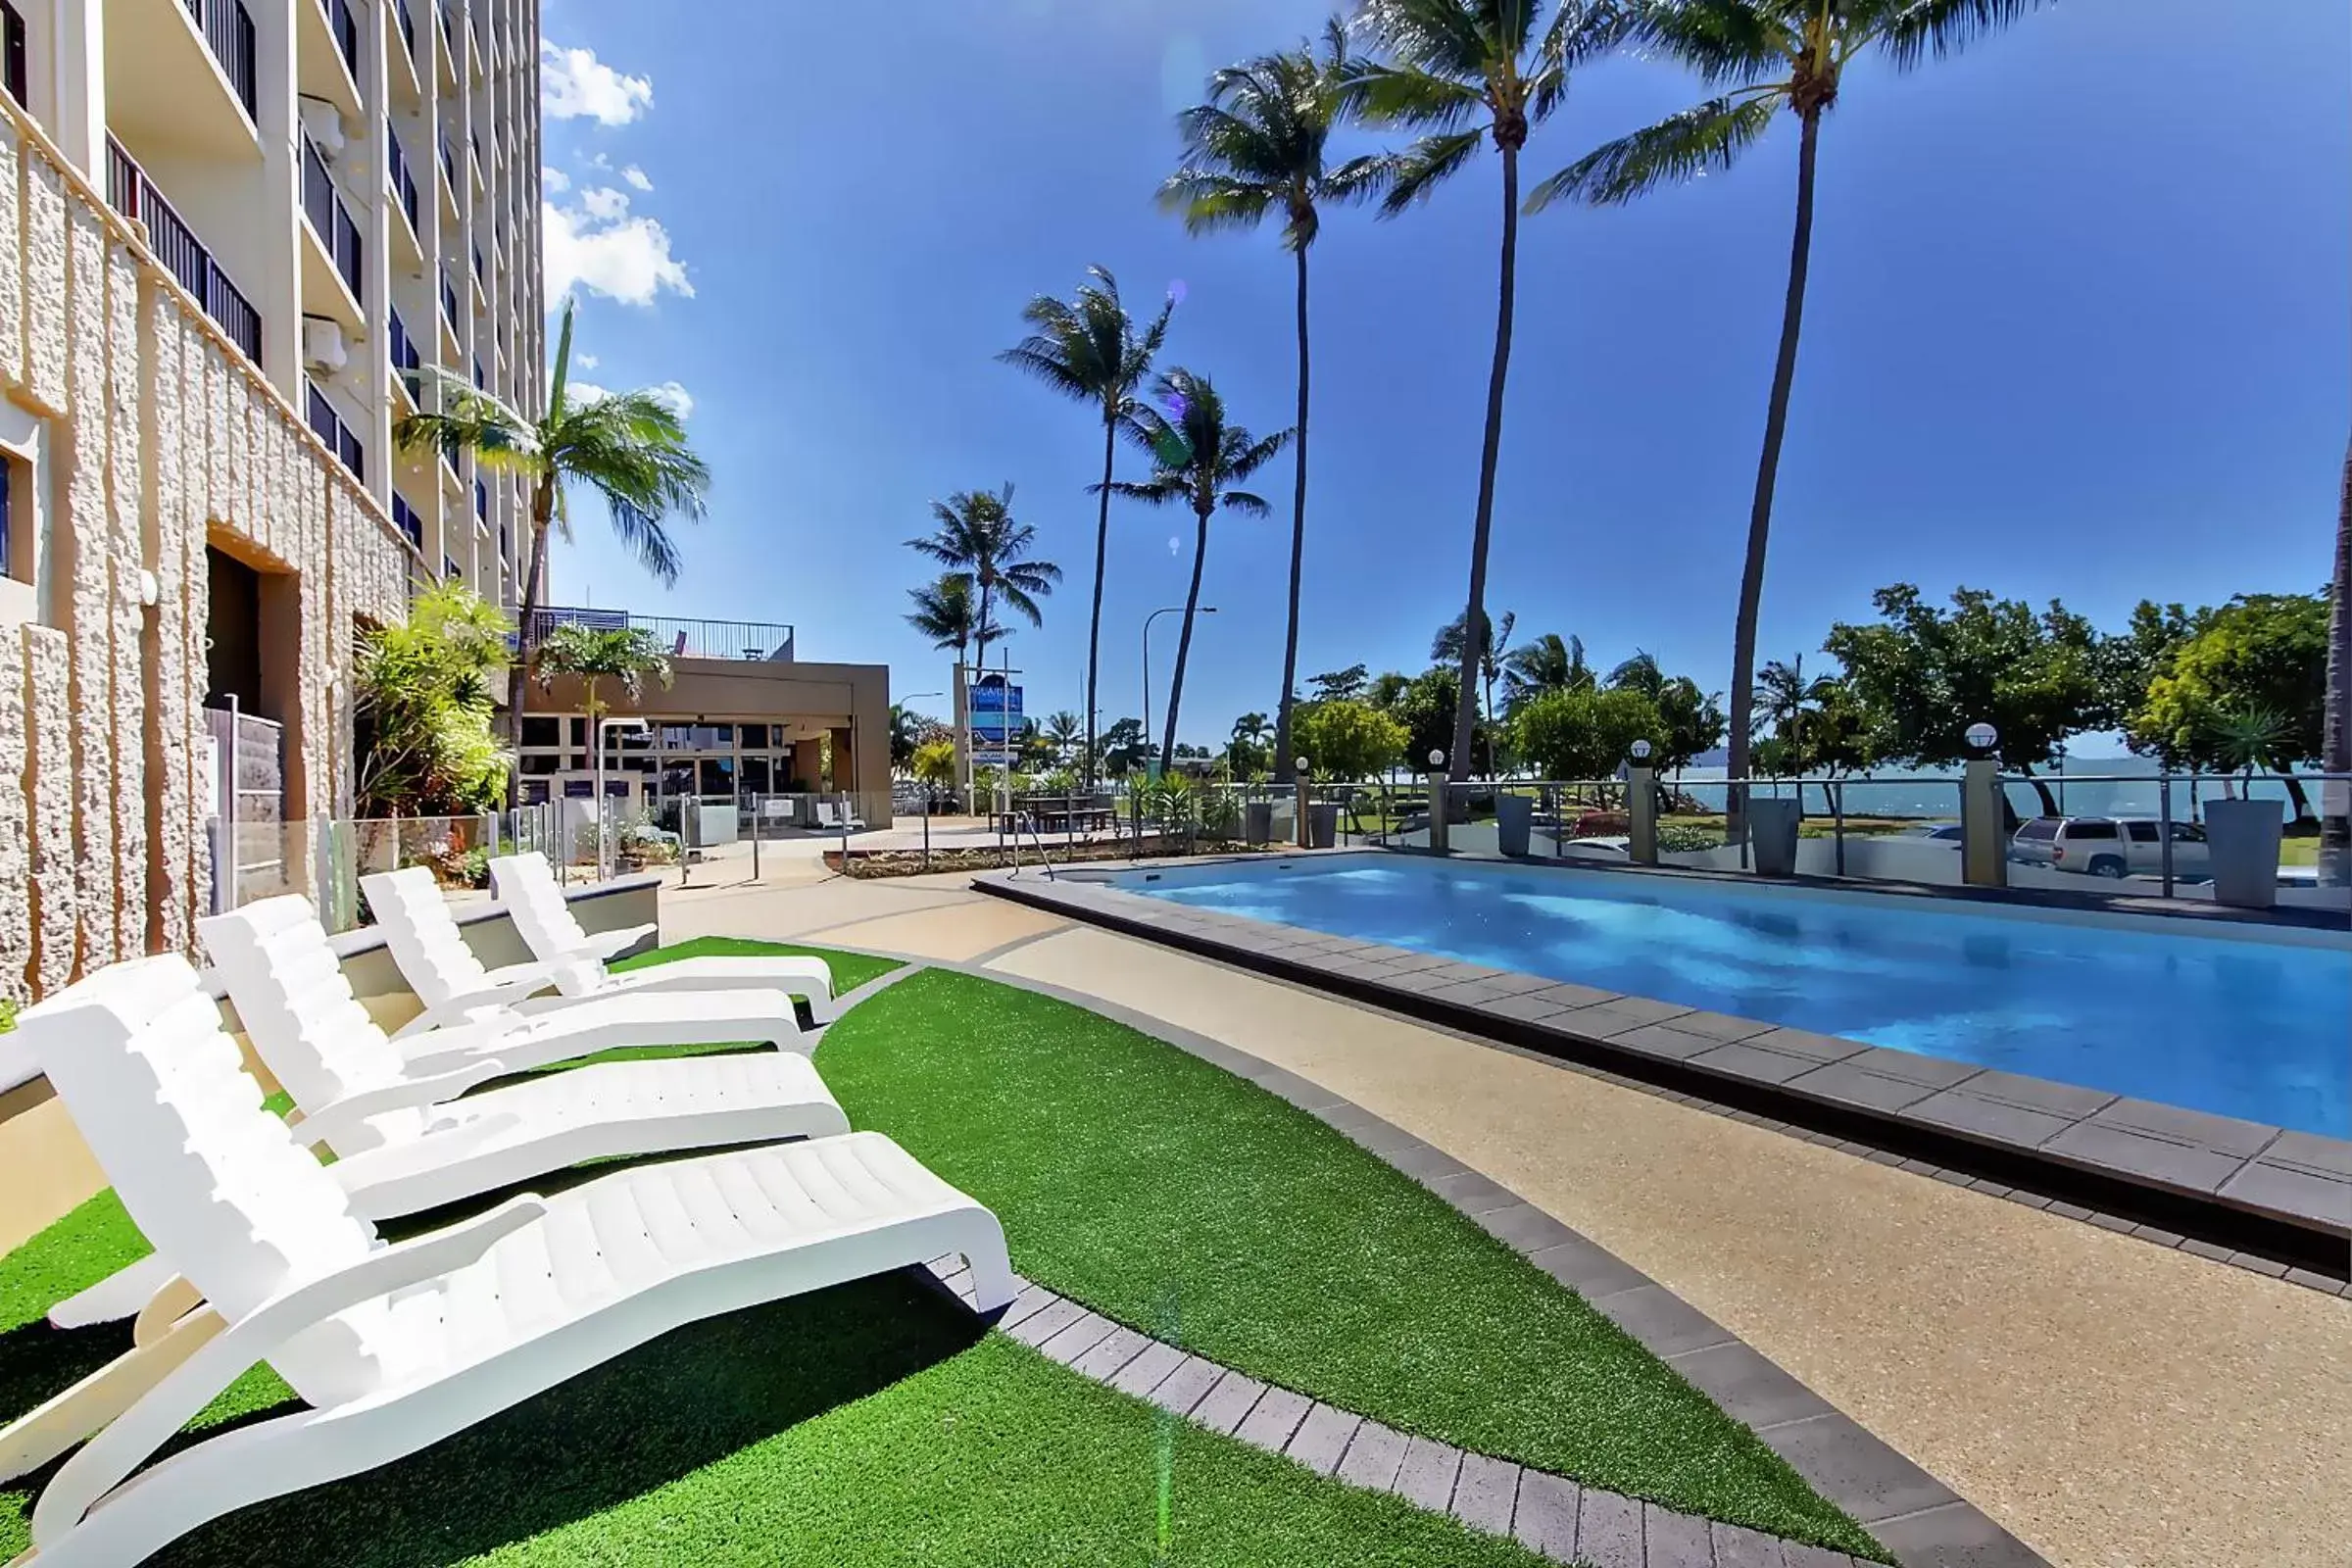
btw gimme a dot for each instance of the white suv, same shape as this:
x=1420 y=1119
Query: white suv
x=2110 y=846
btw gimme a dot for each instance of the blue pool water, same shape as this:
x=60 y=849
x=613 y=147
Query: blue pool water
x=2254 y=1025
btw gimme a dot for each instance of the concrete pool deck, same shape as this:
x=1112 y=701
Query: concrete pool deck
x=2112 y=1404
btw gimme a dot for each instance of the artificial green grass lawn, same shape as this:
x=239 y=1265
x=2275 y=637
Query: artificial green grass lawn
x=870 y=1424
x=1171 y=1196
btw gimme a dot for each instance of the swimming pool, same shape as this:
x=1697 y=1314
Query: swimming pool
x=2256 y=1024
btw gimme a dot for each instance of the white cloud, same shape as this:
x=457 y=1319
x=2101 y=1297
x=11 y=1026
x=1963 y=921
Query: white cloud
x=677 y=395
x=579 y=392
x=575 y=84
x=637 y=178
x=553 y=180
x=627 y=259
x=586 y=362
x=605 y=204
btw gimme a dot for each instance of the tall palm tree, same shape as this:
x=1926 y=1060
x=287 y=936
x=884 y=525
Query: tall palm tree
x=2336 y=722
x=1087 y=347
x=979 y=539
x=1466 y=70
x=1550 y=663
x=1771 y=54
x=1197 y=459
x=627 y=447
x=945 y=613
x=1256 y=147
x=1446 y=649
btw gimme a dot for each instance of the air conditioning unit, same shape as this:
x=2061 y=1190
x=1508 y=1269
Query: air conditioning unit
x=323 y=123
x=322 y=346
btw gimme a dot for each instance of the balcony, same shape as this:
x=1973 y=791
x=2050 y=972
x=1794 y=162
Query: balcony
x=337 y=236
x=179 y=74
x=407 y=27
x=227 y=30
x=449 y=570
x=735 y=641
x=344 y=28
x=328 y=426
x=407 y=518
x=327 y=53
x=481 y=502
x=449 y=306
x=176 y=245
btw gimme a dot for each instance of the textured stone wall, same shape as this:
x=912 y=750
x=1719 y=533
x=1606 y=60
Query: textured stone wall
x=161 y=439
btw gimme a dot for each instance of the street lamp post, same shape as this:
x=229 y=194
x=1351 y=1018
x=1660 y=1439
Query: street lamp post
x=605 y=728
x=1168 y=609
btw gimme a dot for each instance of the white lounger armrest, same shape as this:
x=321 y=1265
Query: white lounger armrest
x=106 y=1459
x=608 y=944
x=503 y=988
x=342 y=1118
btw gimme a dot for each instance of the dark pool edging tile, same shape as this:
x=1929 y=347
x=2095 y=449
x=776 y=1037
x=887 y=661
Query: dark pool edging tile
x=1923 y=1522
x=2259 y=1193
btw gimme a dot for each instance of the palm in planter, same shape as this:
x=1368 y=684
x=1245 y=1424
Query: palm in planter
x=2243 y=834
x=629 y=655
x=1254 y=149
x=1198 y=461
x=1771 y=55
x=627 y=447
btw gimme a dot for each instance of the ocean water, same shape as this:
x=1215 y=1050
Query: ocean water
x=2128 y=788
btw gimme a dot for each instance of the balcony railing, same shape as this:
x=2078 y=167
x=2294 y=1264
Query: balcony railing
x=340 y=438
x=346 y=28
x=403 y=182
x=448 y=568
x=406 y=519
x=328 y=216
x=449 y=162
x=680 y=639
x=448 y=303
x=408 y=27
x=478 y=263
x=481 y=501
x=13 y=43
x=227 y=29
x=176 y=245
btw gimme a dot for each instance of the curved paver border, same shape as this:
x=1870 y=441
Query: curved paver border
x=1915 y=1516
x=2275 y=1203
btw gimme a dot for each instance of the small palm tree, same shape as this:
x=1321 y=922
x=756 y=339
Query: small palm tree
x=1199 y=460
x=1465 y=71
x=1771 y=54
x=627 y=447
x=1789 y=702
x=1250 y=735
x=629 y=655
x=1063 y=731
x=1550 y=663
x=979 y=539
x=945 y=613
x=1088 y=348
x=1255 y=148
x=1446 y=649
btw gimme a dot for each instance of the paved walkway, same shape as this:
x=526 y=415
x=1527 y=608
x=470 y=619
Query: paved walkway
x=2114 y=1405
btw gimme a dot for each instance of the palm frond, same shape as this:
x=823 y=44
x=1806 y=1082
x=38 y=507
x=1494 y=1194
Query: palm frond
x=1912 y=31
x=1436 y=35
x=1581 y=32
x=1041 y=357
x=1248 y=502
x=1211 y=202
x=1396 y=95
x=1681 y=147
x=1410 y=176
x=1722 y=40
x=1160 y=490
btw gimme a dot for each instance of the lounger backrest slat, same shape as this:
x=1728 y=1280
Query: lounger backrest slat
x=423 y=935
x=300 y=1012
x=526 y=888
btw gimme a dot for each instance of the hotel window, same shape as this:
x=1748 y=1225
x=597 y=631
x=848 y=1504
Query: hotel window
x=12 y=53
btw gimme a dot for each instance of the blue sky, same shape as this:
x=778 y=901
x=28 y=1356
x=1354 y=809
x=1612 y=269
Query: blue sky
x=2078 y=325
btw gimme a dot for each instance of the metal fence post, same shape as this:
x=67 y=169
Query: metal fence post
x=1836 y=789
x=2163 y=825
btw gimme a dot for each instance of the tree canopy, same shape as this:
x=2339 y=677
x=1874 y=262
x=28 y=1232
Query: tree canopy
x=1350 y=739
x=422 y=708
x=1580 y=732
x=2258 y=654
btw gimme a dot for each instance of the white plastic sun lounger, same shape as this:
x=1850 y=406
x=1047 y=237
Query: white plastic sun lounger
x=459 y=991
x=526 y=888
x=402 y=1140
x=394 y=1347
x=566 y=957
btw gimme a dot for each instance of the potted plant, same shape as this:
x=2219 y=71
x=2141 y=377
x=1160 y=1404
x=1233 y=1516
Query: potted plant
x=2242 y=835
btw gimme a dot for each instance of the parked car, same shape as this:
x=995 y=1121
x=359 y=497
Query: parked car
x=2111 y=846
x=1947 y=834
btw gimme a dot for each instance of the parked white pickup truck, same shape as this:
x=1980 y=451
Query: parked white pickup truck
x=2111 y=846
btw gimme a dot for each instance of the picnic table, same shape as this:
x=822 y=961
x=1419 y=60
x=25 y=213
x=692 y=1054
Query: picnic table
x=1057 y=816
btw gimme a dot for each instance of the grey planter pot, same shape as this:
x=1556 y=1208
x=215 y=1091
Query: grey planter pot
x=1322 y=825
x=2242 y=838
x=1514 y=816
x=1772 y=835
x=1257 y=822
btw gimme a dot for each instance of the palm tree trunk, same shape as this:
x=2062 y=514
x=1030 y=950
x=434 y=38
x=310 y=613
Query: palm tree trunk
x=1184 y=642
x=1465 y=706
x=2336 y=742
x=1094 y=626
x=1768 y=470
x=1283 y=755
x=518 y=673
